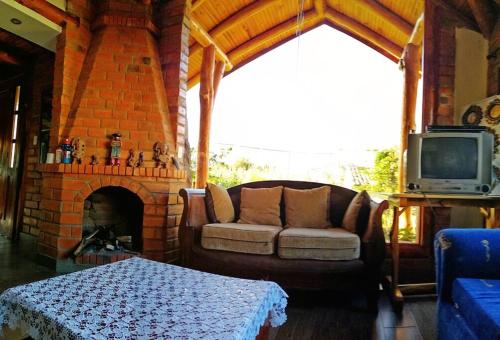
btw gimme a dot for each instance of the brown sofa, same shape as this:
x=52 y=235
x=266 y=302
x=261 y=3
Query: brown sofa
x=362 y=274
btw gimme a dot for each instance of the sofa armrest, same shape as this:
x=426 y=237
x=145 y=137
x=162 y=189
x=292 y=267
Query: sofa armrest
x=473 y=253
x=373 y=241
x=194 y=216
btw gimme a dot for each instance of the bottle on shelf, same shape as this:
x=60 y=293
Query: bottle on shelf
x=59 y=153
x=66 y=151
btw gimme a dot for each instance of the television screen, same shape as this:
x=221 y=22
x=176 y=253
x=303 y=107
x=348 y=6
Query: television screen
x=449 y=158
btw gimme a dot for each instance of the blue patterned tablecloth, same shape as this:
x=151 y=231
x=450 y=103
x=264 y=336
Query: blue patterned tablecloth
x=142 y=299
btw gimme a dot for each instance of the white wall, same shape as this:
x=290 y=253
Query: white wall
x=471 y=70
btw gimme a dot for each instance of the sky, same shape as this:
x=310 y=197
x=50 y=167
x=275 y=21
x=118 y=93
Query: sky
x=320 y=93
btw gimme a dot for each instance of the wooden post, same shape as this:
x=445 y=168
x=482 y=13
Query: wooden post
x=411 y=68
x=210 y=76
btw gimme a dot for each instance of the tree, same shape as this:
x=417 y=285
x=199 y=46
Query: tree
x=223 y=172
x=384 y=179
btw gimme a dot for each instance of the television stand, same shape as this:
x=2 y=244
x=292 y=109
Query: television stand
x=401 y=202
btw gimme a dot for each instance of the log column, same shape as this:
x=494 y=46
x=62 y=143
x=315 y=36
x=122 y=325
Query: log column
x=410 y=62
x=210 y=76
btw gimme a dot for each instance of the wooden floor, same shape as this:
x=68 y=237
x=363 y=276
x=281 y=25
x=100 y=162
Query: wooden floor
x=319 y=316
x=310 y=315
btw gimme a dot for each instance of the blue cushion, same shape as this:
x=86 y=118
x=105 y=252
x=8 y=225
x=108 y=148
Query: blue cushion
x=478 y=301
x=451 y=325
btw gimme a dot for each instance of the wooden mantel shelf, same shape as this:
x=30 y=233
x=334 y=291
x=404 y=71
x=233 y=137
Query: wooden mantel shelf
x=87 y=169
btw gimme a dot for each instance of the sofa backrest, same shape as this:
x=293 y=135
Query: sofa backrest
x=339 y=197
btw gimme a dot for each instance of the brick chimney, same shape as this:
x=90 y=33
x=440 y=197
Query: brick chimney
x=108 y=79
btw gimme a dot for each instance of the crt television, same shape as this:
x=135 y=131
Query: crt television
x=450 y=162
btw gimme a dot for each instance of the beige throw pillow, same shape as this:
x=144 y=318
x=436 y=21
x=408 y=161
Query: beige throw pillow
x=219 y=205
x=260 y=206
x=308 y=208
x=354 y=213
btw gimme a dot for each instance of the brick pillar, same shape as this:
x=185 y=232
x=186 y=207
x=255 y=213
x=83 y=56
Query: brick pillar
x=173 y=22
x=494 y=61
x=71 y=50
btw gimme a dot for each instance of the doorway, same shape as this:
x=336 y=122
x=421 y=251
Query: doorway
x=11 y=133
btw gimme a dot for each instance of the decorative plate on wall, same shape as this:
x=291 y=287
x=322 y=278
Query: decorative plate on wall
x=472 y=116
x=493 y=112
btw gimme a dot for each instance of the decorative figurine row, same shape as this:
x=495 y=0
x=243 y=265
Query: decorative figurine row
x=68 y=152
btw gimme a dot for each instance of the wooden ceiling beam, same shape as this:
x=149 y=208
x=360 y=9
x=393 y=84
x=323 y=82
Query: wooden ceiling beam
x=364 y=41
x=242 y=15
x=380 y=10
x=51 y=12
x=8 y=58
x=319 y=7
x=455 y=13
x=237 y=19
x=417 y=34
x=272 y=33
x=483 y=13
x=361 y=30
x=289 y=26
x=204 y=39
x=197 y=4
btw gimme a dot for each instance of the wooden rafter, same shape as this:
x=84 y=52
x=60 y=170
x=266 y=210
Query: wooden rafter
x=417 y=34
x=483 y=13
x=196 y=4
x=272 y=33
x=455 y=13
x=204 y=39
x=359 y=29
x=51 y=12
x=319 y=7
x=236 y=19
x=364 y=41
x=389 y=16
x=195 y=79
x=8 y=58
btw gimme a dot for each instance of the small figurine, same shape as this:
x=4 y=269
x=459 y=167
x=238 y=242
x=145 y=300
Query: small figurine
x=162 y=156
x=116 y=148
x=94 y=160
x=140 y=163
x=78 y=149
x=132 y=158
x=66 y=151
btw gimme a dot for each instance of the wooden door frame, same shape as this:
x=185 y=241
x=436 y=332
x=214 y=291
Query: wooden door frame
x=19 y=80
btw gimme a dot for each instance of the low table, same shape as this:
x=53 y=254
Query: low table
x=143 y=299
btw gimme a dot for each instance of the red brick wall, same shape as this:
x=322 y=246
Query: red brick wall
x=41 y=79
x=442 y=63
x=110 y=77
x=174 y=55
x=494 y=62
x=65 y=188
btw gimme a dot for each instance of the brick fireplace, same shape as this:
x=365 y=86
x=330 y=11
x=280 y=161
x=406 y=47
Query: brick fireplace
x=109 y=78
x=66 y=187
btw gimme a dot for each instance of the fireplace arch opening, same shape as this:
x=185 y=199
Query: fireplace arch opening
x=114 y=215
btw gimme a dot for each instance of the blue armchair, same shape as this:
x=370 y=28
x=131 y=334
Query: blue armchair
x=468 y=283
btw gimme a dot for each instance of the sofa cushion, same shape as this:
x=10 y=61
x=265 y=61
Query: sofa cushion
x=241 y=238
x=318 y=244
x=219 y=205
x=356 y=215
x=260 y=206
x=478 y=300
x=307 y=208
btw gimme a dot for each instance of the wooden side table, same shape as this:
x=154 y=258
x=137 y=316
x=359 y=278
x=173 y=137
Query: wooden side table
x=401 y=202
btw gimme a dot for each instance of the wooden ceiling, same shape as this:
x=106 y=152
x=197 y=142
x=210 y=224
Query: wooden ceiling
x=243 y=30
